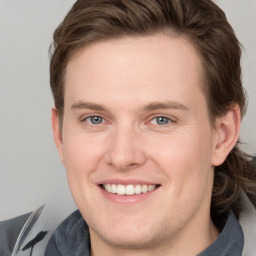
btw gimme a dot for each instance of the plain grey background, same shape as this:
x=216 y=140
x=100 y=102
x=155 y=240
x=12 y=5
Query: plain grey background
x=30 y=170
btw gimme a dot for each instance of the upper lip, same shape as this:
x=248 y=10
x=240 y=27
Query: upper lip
x=127 y=182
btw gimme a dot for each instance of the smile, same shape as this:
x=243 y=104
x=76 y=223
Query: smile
x=129 y=190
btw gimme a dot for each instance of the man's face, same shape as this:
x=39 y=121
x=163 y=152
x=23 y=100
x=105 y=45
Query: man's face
x=135 y=119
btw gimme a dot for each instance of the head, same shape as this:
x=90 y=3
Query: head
x=86 y=49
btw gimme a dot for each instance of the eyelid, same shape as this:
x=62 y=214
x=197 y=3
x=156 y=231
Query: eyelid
x=84 y=117
x=90 y=118
x=167 y=119
x=171 y=119
x=150 y=118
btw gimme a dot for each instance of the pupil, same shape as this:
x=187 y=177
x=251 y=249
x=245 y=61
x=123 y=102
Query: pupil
x=162 y=120
x=96 y=120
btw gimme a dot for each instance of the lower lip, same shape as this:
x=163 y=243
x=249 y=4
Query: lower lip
x=125 y=199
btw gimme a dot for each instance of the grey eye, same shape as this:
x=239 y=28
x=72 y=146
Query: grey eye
x=161 y=120
x=95 y=119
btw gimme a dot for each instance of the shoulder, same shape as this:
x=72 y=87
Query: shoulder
x=32 y=231
x=247 y=220
x=9 y=232
x=71 y=236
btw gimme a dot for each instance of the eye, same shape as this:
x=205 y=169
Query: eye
x=161 y=120
x=94 y=120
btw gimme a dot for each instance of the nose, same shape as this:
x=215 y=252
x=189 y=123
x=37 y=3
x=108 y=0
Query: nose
x=126 y=150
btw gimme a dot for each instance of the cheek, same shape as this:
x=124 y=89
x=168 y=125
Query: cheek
x=185 y=160
x=80 y=159
x=81 y=151
x=82 y=155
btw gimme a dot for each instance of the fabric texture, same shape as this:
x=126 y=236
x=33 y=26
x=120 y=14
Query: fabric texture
x=229 y=242
x=9 y=231
x=70 y=238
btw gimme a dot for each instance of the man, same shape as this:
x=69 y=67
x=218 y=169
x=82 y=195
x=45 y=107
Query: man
x=148 y=106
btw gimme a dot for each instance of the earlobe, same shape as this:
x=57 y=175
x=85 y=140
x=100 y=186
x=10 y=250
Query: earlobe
x=227 y=130
x=57 y=133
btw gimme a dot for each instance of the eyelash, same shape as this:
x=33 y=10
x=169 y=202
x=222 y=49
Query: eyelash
x=169 y=120
x=93 y=116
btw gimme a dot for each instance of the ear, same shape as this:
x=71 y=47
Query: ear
x=57 y=133
x=227 y=130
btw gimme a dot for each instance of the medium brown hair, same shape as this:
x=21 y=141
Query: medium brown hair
x=206 y=26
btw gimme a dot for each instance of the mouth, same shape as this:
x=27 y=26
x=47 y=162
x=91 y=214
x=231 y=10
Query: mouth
x=129 y=189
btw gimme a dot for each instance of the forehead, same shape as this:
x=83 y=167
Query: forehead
x=155 y=66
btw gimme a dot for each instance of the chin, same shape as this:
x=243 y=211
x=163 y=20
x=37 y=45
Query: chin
x=132 y=234
x=131 y=240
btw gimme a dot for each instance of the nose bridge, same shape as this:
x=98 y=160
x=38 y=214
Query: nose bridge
x=126 y=150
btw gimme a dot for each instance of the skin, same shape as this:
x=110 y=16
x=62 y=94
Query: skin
x=129 y=83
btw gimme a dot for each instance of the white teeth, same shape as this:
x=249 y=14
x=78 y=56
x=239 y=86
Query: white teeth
x=108 y=187
x=128 y=189
x=113 y=188
x=138 y=189
x=151 y=188
x=120 y=190
x=144 y=189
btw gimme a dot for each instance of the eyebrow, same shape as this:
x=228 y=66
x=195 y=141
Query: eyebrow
x=87 y=105
x=165 y=105
x=149 y=107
